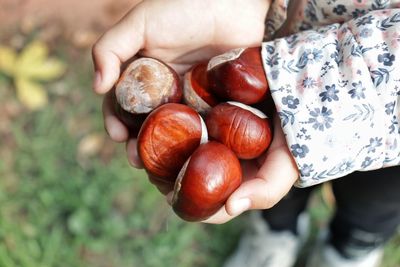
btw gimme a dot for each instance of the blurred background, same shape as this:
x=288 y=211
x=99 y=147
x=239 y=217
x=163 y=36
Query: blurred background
x=68 y=196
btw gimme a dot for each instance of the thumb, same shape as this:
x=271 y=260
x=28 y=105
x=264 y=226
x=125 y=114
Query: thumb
x=116 y=46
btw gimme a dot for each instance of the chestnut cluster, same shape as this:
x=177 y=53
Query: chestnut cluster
x=193 y=134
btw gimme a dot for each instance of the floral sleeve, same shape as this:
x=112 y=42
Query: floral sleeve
x=336 y=90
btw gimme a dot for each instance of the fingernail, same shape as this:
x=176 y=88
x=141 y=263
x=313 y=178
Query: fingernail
x=134 y=161
x=96 y=80
x=239 y=206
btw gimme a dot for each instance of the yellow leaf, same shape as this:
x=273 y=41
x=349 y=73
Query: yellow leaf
x=8 y=58
x=47 y=71
x=34 y=64
x=33 y=55
x=31 y=95
x=36 y=51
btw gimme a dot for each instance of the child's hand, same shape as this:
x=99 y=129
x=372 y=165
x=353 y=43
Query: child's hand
x=266 y=180
x=178 y=32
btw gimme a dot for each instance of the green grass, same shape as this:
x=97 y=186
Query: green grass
x=59 y=209
x=62 y=209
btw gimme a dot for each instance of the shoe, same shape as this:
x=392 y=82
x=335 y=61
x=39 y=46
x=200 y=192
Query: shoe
x=325 y=255
x=262 y=247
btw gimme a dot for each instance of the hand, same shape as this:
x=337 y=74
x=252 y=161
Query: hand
x=179 y=32
x=266 y=180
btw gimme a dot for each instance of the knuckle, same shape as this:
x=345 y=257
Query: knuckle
x=96 y=49
x=270 y=198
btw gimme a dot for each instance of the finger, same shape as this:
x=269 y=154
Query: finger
x=220 y=217
x=116 y=46
x=273 y=181
x=163 y=186
x=133 y=156
x=114 y=127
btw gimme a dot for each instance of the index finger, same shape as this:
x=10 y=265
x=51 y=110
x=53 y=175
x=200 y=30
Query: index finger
x=116 y=46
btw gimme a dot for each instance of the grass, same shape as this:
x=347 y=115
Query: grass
x=61 y=205
x=62 y=208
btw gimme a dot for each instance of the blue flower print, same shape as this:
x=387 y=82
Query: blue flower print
x=346 y=166
x=290 y=101
x=336 y=57
x=387 y=59
x=365 y=33
x=367 y=162
x=357 y=91
x=270 y=49
x=358 y=13
x=273 y=60
x=274 y=74
x=393 y=124
x=309 y=56
x=340 y=9
x=365 y=20
x=309 y=82
x=329 y=94
x=373 y=144
x=320 y=118
x=292 y=39
x=306 y=170
x=299 y=151
x=310 y=11
x=390 y=108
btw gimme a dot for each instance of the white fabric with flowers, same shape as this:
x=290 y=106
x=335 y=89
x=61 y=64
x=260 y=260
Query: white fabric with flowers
x=337 y=87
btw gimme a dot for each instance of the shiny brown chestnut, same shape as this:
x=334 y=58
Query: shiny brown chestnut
x=168 y=137
x=245 y=130
x=132 y=121
x=239 y=75
x=146 y=84
x=196 y=92
x=206 y=181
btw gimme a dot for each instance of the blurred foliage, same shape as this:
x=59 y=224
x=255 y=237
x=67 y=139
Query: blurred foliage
x=28 y=67
x=69 y=198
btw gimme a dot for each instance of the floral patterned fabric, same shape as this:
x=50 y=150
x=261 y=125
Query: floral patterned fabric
x=337 y=87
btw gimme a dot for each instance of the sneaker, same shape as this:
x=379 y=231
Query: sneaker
x=262 y=247
x=325 y=255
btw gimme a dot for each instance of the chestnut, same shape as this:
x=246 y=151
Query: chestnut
x=244 y=129
x=146 y=84
x=169 y=135
x=196 y=93
x=132 y=121
x=239 y=75
x=206 y=181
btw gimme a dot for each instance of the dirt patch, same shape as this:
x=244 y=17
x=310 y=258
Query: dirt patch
x=72 y=16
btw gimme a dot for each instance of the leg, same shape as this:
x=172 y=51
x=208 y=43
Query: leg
x=272 y=238
x=368 y=211
x=367 y=215
x=283 y=216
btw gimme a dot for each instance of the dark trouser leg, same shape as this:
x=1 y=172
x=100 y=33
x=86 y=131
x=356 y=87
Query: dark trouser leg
x=283 y=216
x=368 y=211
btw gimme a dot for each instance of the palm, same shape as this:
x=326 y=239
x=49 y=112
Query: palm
x=184 y=38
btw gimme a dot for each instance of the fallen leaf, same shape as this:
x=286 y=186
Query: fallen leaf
x=31 y=94
x=33 y=54
x=29 y=67
x=90 y=145
x=46 y=71
x=8 y=58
